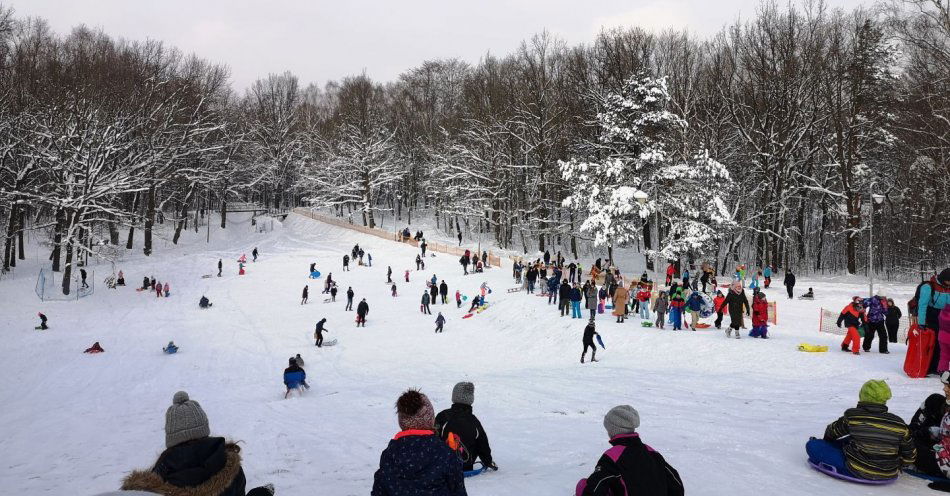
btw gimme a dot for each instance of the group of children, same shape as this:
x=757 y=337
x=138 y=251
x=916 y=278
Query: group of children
x=156 y=286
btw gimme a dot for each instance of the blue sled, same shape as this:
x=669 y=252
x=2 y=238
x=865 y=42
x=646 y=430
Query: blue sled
x=600 y=342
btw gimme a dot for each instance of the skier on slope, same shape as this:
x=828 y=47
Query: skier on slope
x=458 y=425
x=588 y=341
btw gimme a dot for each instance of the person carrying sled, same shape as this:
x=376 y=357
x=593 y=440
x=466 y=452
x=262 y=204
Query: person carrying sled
x=305 y=295
x=361 y=311
x=424 y=308
x=760 y=316
x=193 y=462
x=852 y=316
x=868 y=442
x=463 y=432
x=439 y=322
x=588 y=341
x=417 y=461
x=318 y=333
x=43 y=320
x=349 y=299
x=660 y=307
x=932 y=308
x=717 y=306
x=629 y=463
x=204 y=302
x=738 y=304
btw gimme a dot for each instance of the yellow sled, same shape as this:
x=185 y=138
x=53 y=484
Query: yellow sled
x=812 y=348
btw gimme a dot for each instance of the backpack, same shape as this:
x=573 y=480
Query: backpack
x=912 y=303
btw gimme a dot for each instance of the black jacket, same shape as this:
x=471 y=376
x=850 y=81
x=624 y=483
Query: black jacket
x=443 y=288
x=632 y=468
x=207 y=467
x=894 y=315
x=349 y=294
x=564 y=292
x=737 y=303
x=305 y=291
x=362 y=309
x=460 y=420
x=589 y=333
x=789 y=279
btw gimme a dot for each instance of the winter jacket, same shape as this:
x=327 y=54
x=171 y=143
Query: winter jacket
x=552 y=284
x=767 y=272
x=349 y=294
x=631 y=468
x=576 y=294
x=661 y=305
x=589 y=333
x=737 y=303
x=851 y=317
x=444 y=289
x=677 y=302
x=208 y=466
x=425 y=298
x=362 y=309
x=789 y=279
x=893 y=315
x=876 y=309
x=591 y=297
x=879 y=442
x=440 y=320
x=760 y=312
x=532 y=275
x=643 y=295
x=933 y=297
x=305 y=291
x=564 y=292
x=620 y=301
x=695 y=302
x=294 y=376
x=461 y=421
x=717 y=303
x=417 y=462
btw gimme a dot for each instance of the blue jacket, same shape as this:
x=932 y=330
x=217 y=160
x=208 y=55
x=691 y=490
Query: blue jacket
x=930 y=298
x=553 y=283
x=767 y=272
x=293 y=378
x=418 y=463
x=695 y=302
x=576 y=294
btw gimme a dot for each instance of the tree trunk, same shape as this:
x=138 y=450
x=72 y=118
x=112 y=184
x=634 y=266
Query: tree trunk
x=57 y=240
x=149 y=219
x=224 y=208
x=183 y=213
x=22 y=228
x=68 y=266
x=9 y=260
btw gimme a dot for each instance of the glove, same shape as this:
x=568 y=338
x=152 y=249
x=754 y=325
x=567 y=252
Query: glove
x=491 y=466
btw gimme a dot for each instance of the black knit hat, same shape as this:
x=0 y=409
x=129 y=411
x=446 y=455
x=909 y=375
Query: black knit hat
x=944 y=277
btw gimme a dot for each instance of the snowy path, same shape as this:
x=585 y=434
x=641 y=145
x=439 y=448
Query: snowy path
x=732 y=416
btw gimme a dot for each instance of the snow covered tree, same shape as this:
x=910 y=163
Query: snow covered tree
x=642 y=154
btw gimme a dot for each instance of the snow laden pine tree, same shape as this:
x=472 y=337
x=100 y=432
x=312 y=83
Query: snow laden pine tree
x=641 y=151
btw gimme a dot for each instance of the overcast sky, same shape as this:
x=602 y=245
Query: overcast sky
x=322 y=40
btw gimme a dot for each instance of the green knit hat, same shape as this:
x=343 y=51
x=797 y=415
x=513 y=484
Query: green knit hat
x=875 y=391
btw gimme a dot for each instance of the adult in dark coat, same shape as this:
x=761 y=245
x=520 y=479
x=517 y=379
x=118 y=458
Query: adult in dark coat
x=925 y=423
x=444 y=292
x=460 y=420
x=564 y=293
x=193 y=463
x=738 y=304
x=588 y=342
x=361 y=311
x=789 y=282
x=893 y=320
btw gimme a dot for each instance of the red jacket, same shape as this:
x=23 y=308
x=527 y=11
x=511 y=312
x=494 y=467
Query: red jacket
x=760 y=312
x=717 y=303
x=643 y=295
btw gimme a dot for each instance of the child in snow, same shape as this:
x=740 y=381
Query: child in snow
x=241 y=269
x=120 y=280
x=146 y=283
x=42 y=325
x=694 y=304
x=158 y=289
x=760 y=316
x=630 y=462
x=167 y=290
x=305 y=295
x=417 y=461
x=867 y=442
x=439 y=322
x=243 y=258
x=588 y=341
x=394 y=290
x=458 y=299
x=459 y=425
x=475 y=304
x=204 y=302
x=660 y=306
x=95 y=348
x=333 y=292
x=299 y=360
x=170 y=348
x=852 y=316
x=677 y=303
x=754 y=285
x=407 y=275
x=484 y=290
x=718 y=306
x=810 y=295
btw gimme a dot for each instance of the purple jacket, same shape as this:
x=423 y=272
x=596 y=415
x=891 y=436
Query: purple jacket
x=876 y=311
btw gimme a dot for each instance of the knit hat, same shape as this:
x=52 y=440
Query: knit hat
x=875 y=391
x=184 y=421
x=415 y=411
x=621 y=419
x=463 y=393
x=944 y=277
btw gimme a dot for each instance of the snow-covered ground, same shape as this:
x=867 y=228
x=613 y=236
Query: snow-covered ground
x=731 y=415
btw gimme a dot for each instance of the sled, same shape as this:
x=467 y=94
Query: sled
x=40 y=328
x=921 y=475
x=170 y=351
x=328 y=300
x=831 y=472
x=481 y=309
x=514 y=290
x=207 y=276
x=474 y=471
x=702 y=325
x=812 y=348
x=920 y=348
x=600 y=341
x=609 y=307
x=332 y=342
x=315 y=274
x=600 y=308
x=646 y=324
x=465 y=298
x=468 y=315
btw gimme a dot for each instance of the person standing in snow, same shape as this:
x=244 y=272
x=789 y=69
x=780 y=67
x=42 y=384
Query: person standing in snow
x=590 y=299
x=629 y=463
x=531 y=277
x=789 y=282
x=361 y=311
x=407 y=275
x=158 y=289
x=444 y=292
x=660 y=306
x=643 y=298
x=318 y=333
x=694 y=304
x=423 y=246
x=893 y=320
x=677 y=304
x=620 y=303
x=588 y=341
x=852 y=316
x=760 y=316
x=576 y=298
x=459 y=425
x=221 y=266
x=167 y=290
x=424 y=308
x=439 y=322
x=82 y=275
x=417 y=461
x=717 y=306
x=876 y=313
x=460 y=238
x=333 y=291
x=464 y=260
x=553 y=285
x=305 y=295
x=349 y=299
x=254 y=254
x=418 y=262
x=369 y=258
x=767 y=274
x=458 y=299
x=389 y=274
x=393 y=288
x=346 y=262
x=564 y=297
x=738 y=304
x=433 y=293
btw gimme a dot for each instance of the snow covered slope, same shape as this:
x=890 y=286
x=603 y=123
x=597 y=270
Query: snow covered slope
x=731 y=415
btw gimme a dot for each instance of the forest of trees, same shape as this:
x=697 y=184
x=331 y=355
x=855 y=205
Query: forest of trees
x=771 y=139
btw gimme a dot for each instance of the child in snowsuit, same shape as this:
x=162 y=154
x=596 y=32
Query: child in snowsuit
x=694 y=304
x=439 y=322
x=677 y=303
x=760 y=317
x=717 y=305
x=660 y=306
x=852 y=316
x=394 y=290
x=629 y=463
x=643 y=296
x=588 y=342
x=458 y=299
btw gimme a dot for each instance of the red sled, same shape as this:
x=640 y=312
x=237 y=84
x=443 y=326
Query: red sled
x=920 y=349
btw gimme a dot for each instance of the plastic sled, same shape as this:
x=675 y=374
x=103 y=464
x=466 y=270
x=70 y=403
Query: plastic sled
x=332 y=342
x=464 y=298
x=315 y=274
x=920 y=348
x=812 y=348
x=921 y=475
x=170 y=351
x=468 y=315
x=474 y=471
x=702 y=326
x=831 y=472
x=646 y=324
x=600 y=342
x=609 y=307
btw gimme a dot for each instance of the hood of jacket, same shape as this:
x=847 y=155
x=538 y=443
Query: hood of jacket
x=204 y=467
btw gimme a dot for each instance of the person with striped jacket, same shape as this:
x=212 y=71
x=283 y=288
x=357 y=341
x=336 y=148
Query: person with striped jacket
x=868 y=442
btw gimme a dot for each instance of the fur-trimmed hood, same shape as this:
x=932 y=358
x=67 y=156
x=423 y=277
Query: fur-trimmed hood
x=220 y=483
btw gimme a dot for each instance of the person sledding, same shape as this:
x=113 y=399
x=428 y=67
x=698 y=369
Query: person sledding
x=204 y=302
x=95 y=348
x=43 y=320
x=868 y=442
x=760 y=317
x=476 y=302
x=588 y=342
x=810 y=295
x=294 y=378
x=170 y=348
x=629 y=463
x=852 y=316
x=462 y=430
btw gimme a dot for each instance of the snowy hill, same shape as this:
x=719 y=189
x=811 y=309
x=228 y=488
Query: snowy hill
x=731 y=415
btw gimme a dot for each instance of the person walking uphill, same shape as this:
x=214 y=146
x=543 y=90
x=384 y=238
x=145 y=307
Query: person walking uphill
x=588 y=341
x=738 y=304
x=193 y=463
x=417 y=461
x=868 y=442
x=439 y=322
x=629 y=464
x=460 y=426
